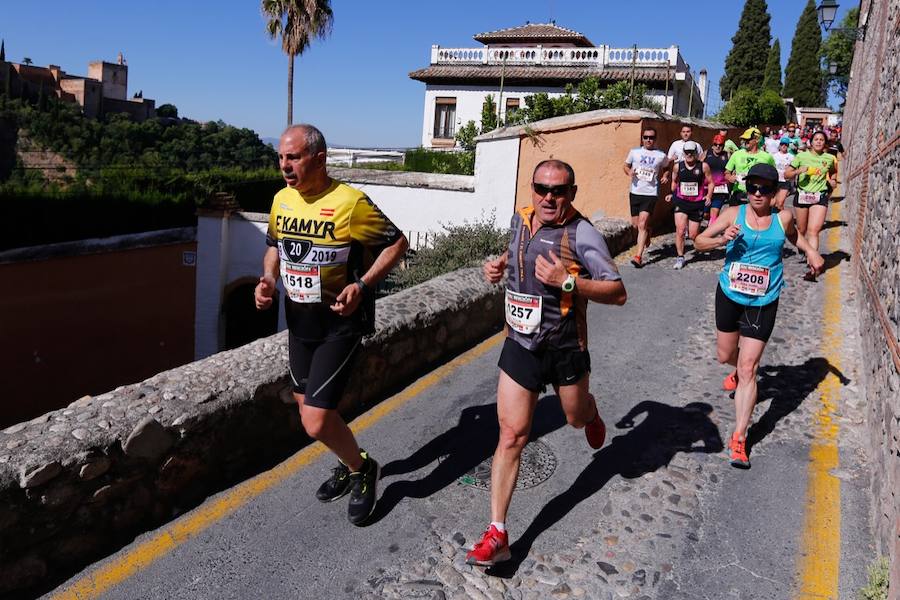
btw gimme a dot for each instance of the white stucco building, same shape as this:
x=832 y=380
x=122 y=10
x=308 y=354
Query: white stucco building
x=542 y=57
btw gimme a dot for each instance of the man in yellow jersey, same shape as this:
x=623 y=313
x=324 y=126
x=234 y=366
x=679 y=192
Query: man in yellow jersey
x=330 y=245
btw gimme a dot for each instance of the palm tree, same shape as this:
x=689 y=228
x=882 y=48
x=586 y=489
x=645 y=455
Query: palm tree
x=296 y=22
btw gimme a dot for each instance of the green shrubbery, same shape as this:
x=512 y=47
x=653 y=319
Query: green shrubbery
x=879 y=581
x=455 y=247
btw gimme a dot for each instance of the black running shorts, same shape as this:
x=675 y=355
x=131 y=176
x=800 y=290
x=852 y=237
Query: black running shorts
x=320 y=369
x=641 y=204
x=535 y=369
x=718 y=201
x=755 y=322
x=693 y=210
x=823 y=200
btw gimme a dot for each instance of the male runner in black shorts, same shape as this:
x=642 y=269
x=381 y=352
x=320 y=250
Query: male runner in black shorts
x=330 y=245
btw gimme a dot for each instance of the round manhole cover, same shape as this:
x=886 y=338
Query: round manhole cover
x=537 y=465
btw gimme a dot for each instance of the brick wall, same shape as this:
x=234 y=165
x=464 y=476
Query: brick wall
x=872 y=181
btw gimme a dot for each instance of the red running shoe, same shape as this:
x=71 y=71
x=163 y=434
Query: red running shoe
x=730 y=383
x=595 y=431
x=739 y=456
x=492 y=549
x=636 y=261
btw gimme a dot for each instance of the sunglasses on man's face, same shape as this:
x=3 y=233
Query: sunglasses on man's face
x=649 y=137
x=765 y=190
x=554 y=190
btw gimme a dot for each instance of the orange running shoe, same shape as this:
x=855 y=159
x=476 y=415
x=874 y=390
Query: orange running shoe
x=730 y=383
x=595 y=431
x=739 y=456
x=492 y=549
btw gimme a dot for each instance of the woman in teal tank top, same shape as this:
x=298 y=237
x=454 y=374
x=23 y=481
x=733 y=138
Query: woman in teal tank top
x=750 y=283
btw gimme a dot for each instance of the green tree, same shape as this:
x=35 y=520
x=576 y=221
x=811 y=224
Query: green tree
x=296 y=23
x=772 y=76
x=741 y=110
x=749 y=47
x=838 y=49
x=489 y=114
x=770 y=108
x=167 y=111
x=803 y=75
x=466 y=135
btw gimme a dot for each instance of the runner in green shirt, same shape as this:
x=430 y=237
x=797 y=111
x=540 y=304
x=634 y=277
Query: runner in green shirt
x=741 y=161
x=816 y=173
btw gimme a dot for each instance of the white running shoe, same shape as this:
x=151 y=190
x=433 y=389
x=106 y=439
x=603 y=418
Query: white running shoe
x=679 y=263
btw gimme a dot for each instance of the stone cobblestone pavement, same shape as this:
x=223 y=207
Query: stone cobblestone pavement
x=647 y=525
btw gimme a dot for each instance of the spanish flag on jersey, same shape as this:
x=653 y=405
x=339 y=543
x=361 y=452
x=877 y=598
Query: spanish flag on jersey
x=325 y=242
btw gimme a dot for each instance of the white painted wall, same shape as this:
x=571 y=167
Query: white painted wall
x=469 y=100
x=496 y=170
x=418 y=209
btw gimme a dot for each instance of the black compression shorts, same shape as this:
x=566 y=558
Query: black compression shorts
x=693 y=210
x=755 y=322
x=822 y=201
x=320 y=370
x=641 y=204
x=535 y=369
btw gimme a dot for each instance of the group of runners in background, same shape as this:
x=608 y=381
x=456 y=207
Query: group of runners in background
x=700 y=183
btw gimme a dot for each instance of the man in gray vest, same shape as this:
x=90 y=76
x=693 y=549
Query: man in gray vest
x=556 y=262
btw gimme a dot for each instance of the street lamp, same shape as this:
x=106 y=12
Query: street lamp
x=832 y=67
x=827 y=11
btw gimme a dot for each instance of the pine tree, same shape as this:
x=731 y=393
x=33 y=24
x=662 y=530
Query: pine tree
x=2 y=50
x=772 y=77
x=803 y=75
x=750 y=45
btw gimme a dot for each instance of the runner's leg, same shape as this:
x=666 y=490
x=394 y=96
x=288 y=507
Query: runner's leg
x=576 y=402
x=751 y=351
x=681 y=220
x=814 y=225
x=801 y=215
x=727 y=347
x=515 y=409
x=643 y=234
x=328 y=427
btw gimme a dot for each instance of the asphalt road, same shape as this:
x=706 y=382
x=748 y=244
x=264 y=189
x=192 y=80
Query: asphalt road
x=658 y=349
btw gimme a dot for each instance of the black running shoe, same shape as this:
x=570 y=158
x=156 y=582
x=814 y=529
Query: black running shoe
x=363 y=492
x=337 y=486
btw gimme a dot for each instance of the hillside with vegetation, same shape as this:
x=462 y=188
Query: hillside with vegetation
x=114 y=175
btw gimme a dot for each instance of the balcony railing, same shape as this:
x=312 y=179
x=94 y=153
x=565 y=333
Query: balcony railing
x=600 y=56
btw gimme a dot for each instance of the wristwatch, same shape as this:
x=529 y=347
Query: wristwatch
x=569 y=284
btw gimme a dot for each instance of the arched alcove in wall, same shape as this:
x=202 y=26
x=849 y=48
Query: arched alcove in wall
x=243 y=323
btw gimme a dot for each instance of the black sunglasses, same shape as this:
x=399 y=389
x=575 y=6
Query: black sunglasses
x=765 y=190
x=649 y=137
x=554 y=190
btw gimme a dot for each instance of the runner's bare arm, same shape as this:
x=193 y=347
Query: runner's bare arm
x=553 y=272
x=664 y=179
x=265 y=289
x=719 y=233
x=627 y=168
x=730 y=177
x=790 y=172
x=349 y=298
x=494 y=269
x=710 y=185
x=813 y=258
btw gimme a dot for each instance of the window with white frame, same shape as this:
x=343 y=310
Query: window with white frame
x=444 y=118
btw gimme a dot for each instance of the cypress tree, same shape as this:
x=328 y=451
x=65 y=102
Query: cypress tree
x=750 y=46
x=772 y=78
x=803 y=75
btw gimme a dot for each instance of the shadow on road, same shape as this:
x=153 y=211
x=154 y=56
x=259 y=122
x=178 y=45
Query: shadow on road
x=833 y=259
x=833 y=223
x=460 y=449
x=786 y=387
x=648 y=446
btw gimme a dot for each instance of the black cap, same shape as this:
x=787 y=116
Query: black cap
x=763 y=171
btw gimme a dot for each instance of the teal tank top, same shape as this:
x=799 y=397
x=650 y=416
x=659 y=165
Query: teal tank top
x=754 y=249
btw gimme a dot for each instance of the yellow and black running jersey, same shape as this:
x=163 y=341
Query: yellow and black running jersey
x=326 y=242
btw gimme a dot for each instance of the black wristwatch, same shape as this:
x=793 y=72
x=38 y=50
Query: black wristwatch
x=362 y=285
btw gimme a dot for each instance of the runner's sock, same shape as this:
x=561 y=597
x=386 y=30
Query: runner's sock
x=499 y=526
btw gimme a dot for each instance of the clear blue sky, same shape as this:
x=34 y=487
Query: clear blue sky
x=213 y=60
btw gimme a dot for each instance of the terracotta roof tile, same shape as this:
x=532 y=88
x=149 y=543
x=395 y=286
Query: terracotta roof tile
x=530 y=73
x=548 y=32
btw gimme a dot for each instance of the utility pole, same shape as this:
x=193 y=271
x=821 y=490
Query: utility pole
x=633 y=67
x=691 y=98
x=666 y=96
x=502 y=76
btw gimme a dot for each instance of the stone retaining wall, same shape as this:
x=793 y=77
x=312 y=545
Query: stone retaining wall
x=872 y=182
x=77 y=483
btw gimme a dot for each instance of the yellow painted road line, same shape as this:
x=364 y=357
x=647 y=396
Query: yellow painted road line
x=820 y=552
x=175 y=534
